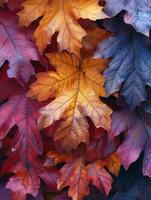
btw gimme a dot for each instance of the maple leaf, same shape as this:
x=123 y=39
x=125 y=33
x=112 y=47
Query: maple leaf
x=60 y=16
x=24 y=183
x=74 y=175
x=21 y=111
x=77 y=85
x=14 y=44
x=138 y=13
x=26 y=179
x=78 y=176
x=79 y=171
x=54 y=158
x=130 y=67
x=137 y=125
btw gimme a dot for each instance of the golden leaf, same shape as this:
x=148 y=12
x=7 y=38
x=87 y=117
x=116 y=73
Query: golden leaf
x=76 y=86
x=60 y=16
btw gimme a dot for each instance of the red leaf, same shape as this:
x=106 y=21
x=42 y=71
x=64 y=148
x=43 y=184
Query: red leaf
x=21 y=111
x=16 y=47
x=23 y=183
x=50 y=177
x=99 y=176
x=26 y=179
x=74 y=175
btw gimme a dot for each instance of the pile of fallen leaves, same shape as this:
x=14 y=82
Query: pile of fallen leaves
x=75 y=99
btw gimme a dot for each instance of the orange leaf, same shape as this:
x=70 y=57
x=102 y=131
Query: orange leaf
x=113 y=163
x=60 y=16
x=54 y=158
x=78 y=177
x=76 y=86
x=74 y=175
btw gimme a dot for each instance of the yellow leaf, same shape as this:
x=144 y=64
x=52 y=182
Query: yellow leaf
x=60 y=16
x=76 y=86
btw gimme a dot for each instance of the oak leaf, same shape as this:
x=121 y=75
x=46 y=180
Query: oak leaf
x=60 y=16
x=76 y=86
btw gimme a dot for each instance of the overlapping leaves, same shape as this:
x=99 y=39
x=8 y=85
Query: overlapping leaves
x=66 y=145
x=138 y=13
x=14 y=43
x=137 y=127
x=130 y=67
x=77 y=85
x=60 y=16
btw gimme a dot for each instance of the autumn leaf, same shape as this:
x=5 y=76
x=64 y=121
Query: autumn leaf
x=26 y=178
x=24 y=183
x=76 y=86
x=99 y=146
x=74 y=175
x=130 y=67
x=137 y=14
x=14 y=44
x=112 y=162
x=60 y=16
x=17 y=109
x=54 y=158
x=79 y=172
x=79 y=176
x=136 y=124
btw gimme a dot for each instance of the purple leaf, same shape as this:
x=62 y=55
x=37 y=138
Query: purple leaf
x=138 y=13
x=130 y=67
x=16 y=47
x=138 y=133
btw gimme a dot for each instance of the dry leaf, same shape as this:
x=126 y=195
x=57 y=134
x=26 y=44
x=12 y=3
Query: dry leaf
x=60 y=16
x=76 y=86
